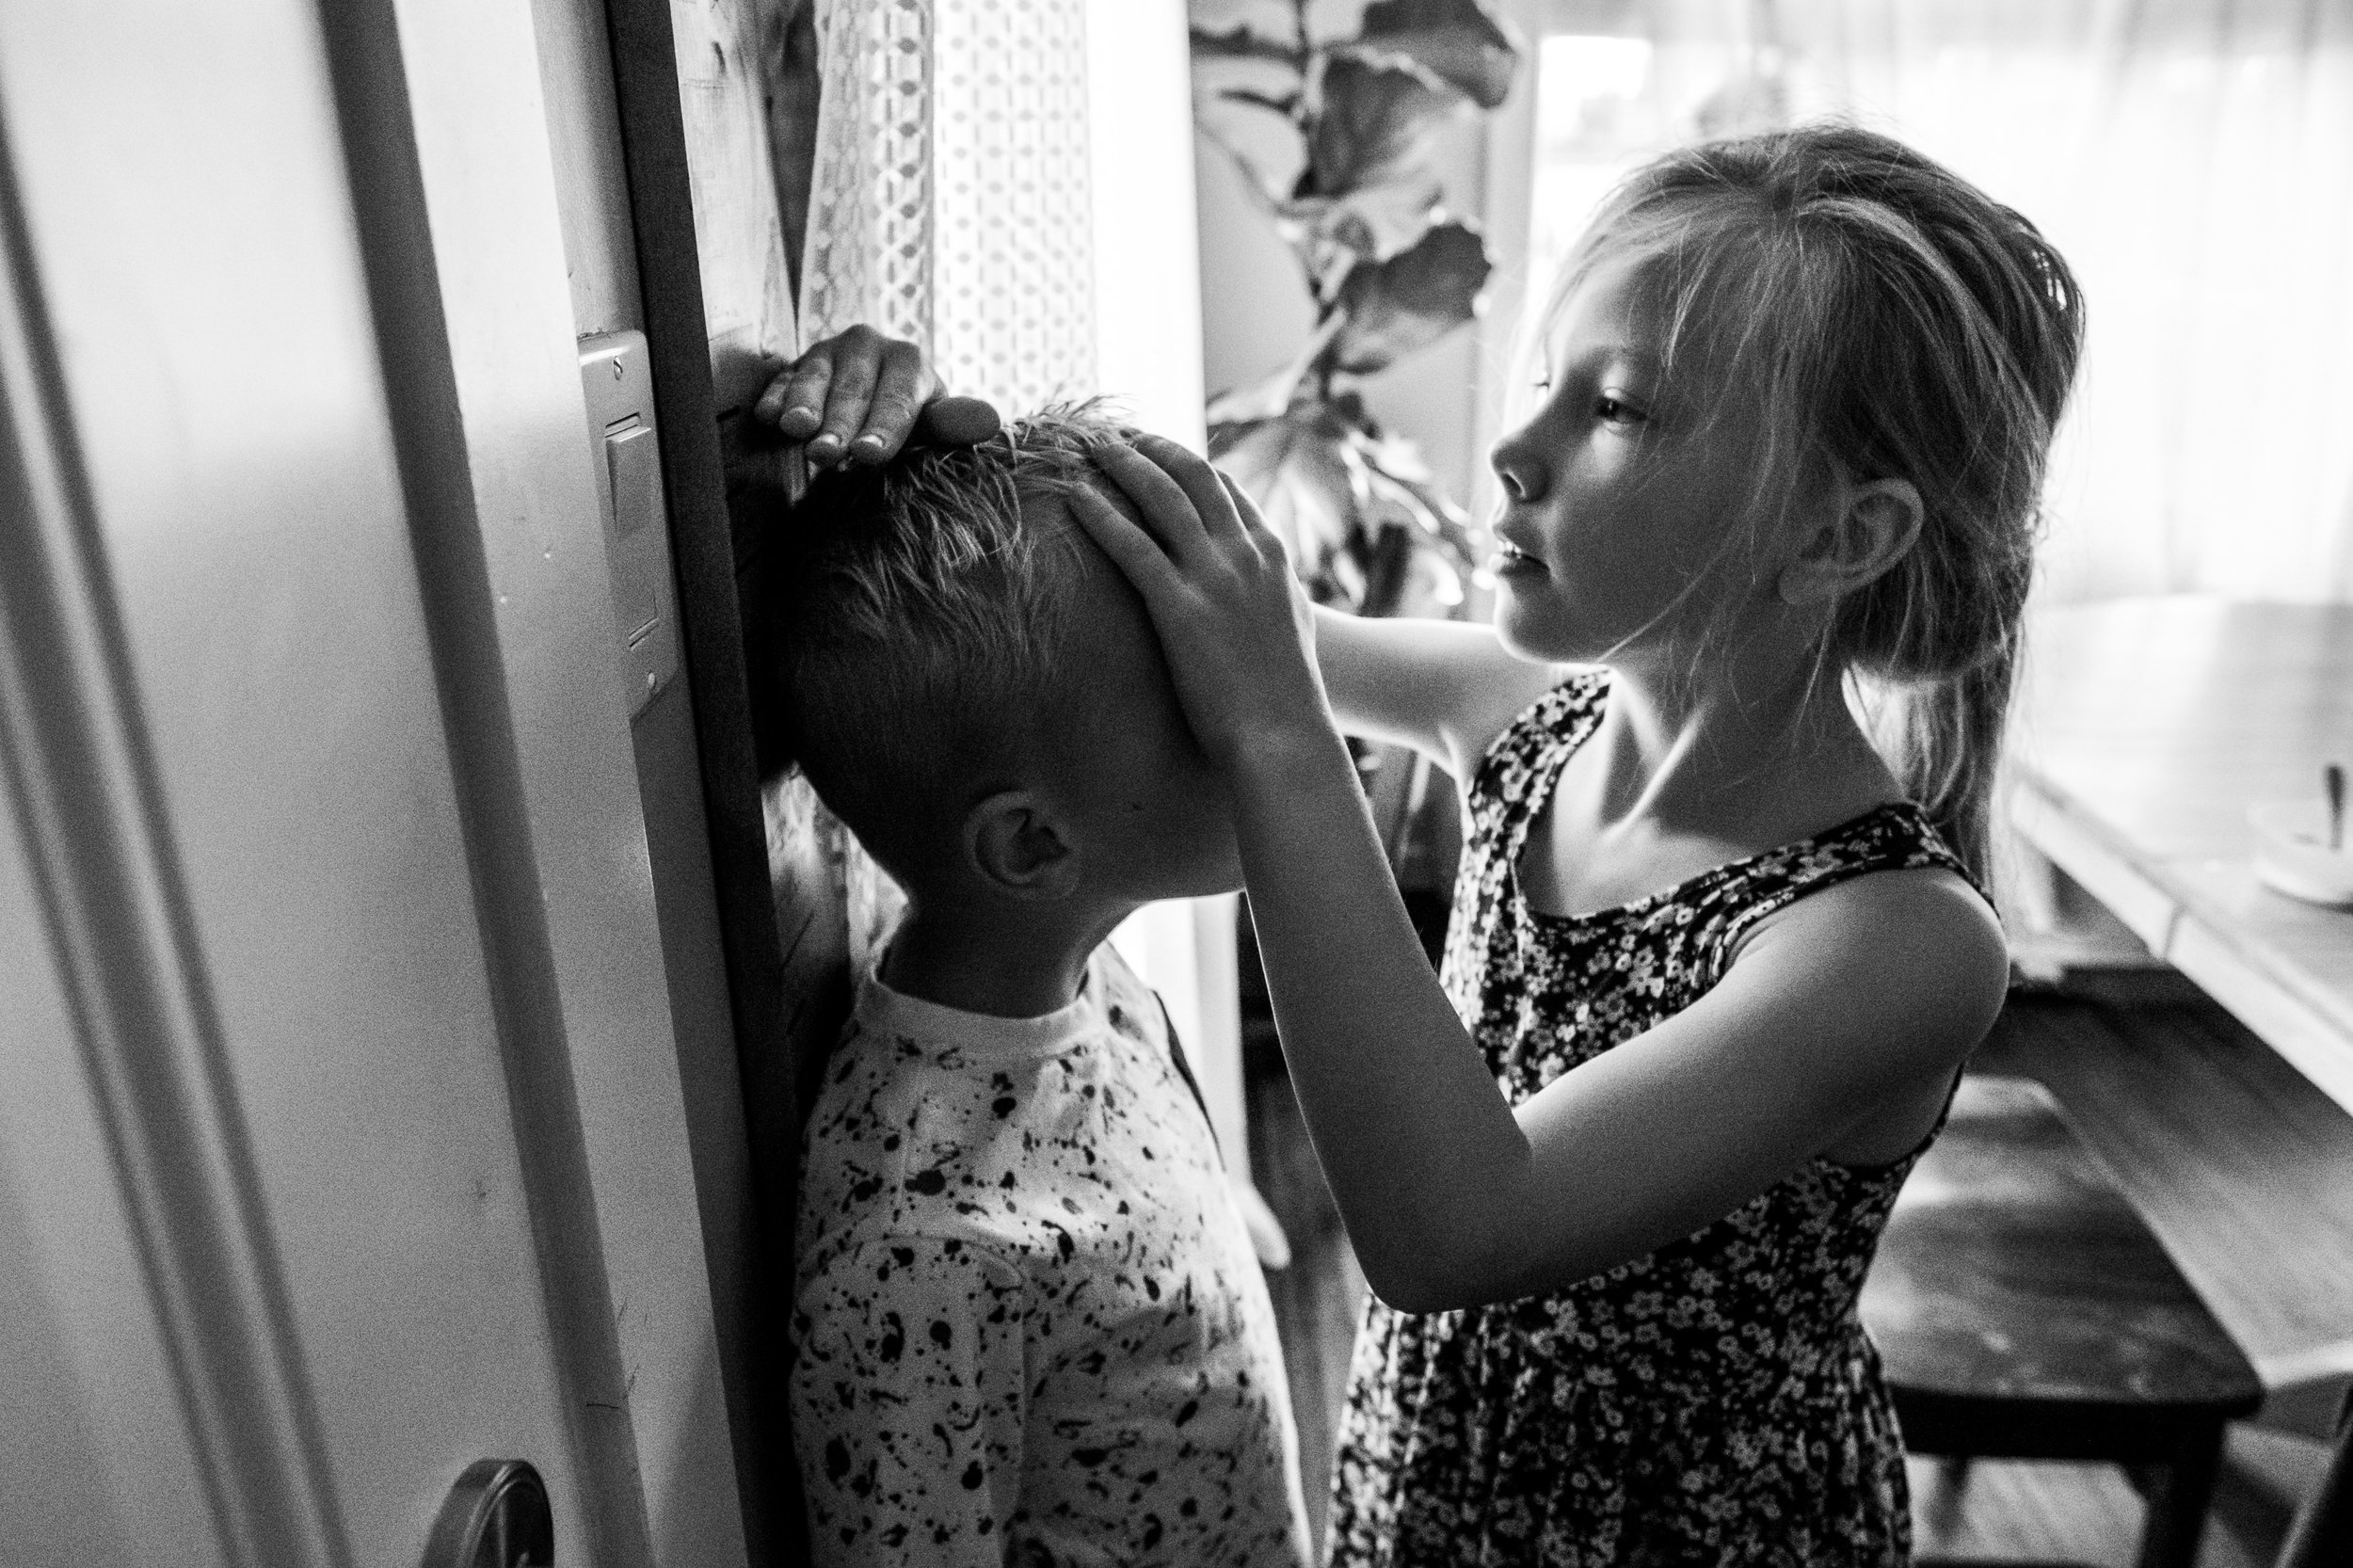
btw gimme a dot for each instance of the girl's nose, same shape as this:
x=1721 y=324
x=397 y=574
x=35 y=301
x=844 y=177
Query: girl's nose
x=1516 y=464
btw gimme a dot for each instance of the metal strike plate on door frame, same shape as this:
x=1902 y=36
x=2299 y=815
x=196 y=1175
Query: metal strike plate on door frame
x=496 y=1517
x=618 y=387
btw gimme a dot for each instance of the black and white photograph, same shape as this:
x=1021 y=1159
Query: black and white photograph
x=1175 y=783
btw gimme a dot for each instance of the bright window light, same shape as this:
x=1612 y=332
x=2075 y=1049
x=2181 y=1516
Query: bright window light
x=1576 y=68
x=1592 y=110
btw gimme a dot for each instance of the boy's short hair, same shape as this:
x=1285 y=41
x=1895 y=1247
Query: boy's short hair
x=908 y=620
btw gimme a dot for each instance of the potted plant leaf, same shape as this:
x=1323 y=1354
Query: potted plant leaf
x=1337 y=136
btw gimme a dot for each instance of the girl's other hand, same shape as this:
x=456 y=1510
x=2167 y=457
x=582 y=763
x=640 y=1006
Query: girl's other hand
x=859 y=397
x=1234 y=624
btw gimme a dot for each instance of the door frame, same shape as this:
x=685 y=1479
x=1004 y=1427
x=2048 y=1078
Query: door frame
x=774 y=1031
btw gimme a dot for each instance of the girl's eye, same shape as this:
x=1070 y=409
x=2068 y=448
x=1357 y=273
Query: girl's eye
x=1616 y=411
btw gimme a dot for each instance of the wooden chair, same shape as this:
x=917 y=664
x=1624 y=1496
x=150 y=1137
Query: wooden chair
x=2322 y=1536
x=2022 y=1310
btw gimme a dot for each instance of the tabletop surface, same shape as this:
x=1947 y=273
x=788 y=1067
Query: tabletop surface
x=2169 y=716
x=2145 y=728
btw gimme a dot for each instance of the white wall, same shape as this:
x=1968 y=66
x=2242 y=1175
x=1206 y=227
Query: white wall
x=1147 y=280
x=1147 y=307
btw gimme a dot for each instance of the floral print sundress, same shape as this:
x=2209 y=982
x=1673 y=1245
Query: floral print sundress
x=1713 y=1402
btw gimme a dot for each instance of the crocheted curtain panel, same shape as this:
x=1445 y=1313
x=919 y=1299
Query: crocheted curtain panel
x=951 y=201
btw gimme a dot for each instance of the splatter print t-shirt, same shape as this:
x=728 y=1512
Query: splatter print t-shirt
x=1029 y=1327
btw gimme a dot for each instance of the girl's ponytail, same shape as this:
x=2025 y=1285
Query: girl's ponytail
x=1953 y=364
x=1943 y=738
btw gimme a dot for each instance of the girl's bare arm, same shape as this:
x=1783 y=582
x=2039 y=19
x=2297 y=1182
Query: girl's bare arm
x=1445 y=688
x=1858 y=999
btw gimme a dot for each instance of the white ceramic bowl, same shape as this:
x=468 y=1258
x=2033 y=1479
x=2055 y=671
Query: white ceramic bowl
x=2292 y=856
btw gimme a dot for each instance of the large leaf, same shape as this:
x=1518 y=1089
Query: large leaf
x=1332 y=234
x=1267 y=399
x=1247 y=82
x=1374 y=122
x=1366 y=529
x=1239 y=42
x=1461 y=42
x=1293 y=466
x=1405 y=492
x=1394 y=307
x=1267 y=151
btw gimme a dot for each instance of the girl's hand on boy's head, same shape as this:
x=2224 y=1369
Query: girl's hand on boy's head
x=1234 y=624
x=859 y=397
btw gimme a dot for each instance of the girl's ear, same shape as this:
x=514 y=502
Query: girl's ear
x=1014 y=843
x=1874 y=525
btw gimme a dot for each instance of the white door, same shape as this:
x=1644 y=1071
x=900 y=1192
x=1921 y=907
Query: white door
x=341 y=1129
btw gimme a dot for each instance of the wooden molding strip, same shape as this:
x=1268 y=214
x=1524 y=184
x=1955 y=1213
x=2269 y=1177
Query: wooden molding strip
x=704 y=555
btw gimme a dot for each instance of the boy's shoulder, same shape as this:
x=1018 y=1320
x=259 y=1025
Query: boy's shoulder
x=896 y=1153
x=919 y=1134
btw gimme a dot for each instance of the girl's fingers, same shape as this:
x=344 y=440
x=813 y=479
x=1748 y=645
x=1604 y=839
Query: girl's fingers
x=770 y=403
x=1138 y=556
x=862 y=395
x=902 y=386
x=857 y=366
x=794 y=402
x=1198 y=479
x=1168 y=511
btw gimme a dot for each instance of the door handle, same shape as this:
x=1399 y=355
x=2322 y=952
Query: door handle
x=496 y=1517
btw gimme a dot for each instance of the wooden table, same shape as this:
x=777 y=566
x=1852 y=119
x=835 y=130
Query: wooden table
x=2145 y=729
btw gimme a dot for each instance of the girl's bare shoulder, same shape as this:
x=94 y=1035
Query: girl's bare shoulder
x=1912 y=955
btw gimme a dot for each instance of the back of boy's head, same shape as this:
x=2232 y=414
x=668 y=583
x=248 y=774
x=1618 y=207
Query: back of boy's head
x=908 y=622
x=1895 y=322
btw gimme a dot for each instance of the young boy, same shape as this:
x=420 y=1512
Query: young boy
x=1029 y=1326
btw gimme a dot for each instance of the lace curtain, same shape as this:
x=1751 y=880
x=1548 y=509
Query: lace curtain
x=869 y=253
x=2194 y=162
x=952 y=201
x=951 y=205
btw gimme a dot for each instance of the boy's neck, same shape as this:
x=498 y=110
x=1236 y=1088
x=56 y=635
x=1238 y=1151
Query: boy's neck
x=1010 y=962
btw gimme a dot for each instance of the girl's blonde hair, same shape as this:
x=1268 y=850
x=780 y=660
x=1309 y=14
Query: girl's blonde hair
x=1898 y=323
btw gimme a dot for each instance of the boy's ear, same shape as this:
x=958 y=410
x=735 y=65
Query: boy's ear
x=1873 y=524
x=1016 y=846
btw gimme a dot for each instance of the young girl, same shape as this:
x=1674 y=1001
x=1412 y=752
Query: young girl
x=1717 y=956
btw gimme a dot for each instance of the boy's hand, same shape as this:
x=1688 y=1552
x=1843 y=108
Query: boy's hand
x=859 y=397
x=1234 y=623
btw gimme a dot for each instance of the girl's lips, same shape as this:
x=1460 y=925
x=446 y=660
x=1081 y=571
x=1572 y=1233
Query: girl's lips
x=1512 y=561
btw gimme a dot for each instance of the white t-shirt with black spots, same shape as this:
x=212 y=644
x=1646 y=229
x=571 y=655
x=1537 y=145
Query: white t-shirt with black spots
x=1029 y=1327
